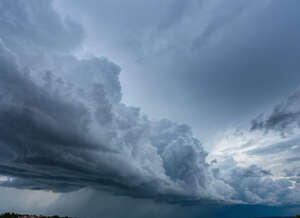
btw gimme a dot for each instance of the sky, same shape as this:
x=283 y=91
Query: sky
x=173 y=109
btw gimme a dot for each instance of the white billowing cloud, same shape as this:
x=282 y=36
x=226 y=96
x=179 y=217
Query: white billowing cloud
x=65 y=128
x=271 y=142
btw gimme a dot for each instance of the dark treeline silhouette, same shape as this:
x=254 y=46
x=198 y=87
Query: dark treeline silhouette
x=15 y=215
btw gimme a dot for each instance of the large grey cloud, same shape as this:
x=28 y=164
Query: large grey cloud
x=65 y=134
x=64 y=126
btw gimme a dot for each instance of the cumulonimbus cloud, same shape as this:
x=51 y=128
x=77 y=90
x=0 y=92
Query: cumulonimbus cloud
x=64 y=126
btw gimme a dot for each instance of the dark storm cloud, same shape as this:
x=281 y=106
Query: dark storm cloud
x=41 y=133
x=66 y=129
x=45 y=140
x=64 y=126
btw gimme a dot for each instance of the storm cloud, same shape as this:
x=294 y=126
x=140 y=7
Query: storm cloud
x=64 y=126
